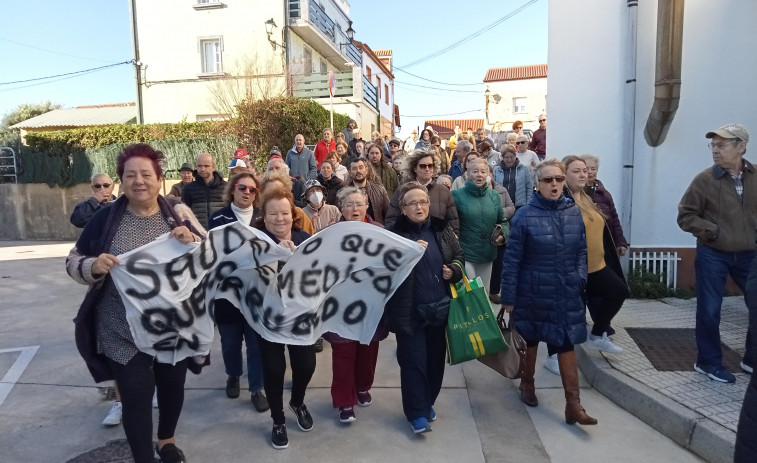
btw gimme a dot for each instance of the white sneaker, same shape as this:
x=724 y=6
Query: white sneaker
x=603 y=344
x=155 y=399
x=550 y=363
x=114 y=415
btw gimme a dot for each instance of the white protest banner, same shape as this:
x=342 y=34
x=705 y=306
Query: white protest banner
x=338 y=280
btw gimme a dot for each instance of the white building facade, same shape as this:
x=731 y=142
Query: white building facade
x=217 y=52
x=517 y=93
x=591 y=110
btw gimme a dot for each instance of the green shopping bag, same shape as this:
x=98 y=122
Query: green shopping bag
x=472 y=330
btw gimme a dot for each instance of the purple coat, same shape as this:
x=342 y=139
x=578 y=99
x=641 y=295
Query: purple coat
x=603 y=198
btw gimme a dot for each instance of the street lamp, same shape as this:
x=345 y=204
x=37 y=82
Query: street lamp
x=350 y=33
x=270 y=27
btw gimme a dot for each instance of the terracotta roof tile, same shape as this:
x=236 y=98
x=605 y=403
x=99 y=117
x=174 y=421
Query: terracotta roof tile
x=448 y=125
x=532 y=71
x=383 y=52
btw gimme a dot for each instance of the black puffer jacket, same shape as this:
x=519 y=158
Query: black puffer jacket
x=442 y=207
x=746 y=443
x=204 y=199
x=400 y=309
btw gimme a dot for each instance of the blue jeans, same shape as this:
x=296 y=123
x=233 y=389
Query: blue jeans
x=231 y=349
x=712 y=270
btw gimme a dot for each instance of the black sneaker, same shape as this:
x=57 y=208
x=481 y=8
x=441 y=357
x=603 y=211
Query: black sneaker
x=259 y=401
x=170 y=453
x=232 y=387
x=304 y=420
x=279 y=439
x=319 y=345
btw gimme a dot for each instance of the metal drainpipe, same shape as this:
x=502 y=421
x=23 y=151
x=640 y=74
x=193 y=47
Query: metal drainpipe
x=629 y=118
x=667 y=92
x=137 y=62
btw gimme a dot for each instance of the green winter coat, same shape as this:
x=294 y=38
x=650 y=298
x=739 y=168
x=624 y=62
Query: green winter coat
x=479 y=211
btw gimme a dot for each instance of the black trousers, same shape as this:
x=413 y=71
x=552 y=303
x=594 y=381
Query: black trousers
x=421 y=359
x=605 y=292
x=302 y=359
x=551 y=348
x=136 y=382
x=495 y=282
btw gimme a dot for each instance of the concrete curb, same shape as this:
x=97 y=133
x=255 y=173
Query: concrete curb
x=689 y=429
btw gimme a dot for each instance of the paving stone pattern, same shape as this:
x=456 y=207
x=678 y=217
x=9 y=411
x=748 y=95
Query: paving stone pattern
x=719 y=402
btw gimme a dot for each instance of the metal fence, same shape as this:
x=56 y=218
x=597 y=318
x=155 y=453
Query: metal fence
x=663 y=263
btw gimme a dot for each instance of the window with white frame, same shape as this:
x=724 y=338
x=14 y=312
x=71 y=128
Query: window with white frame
x=519 y=105
x=211 y=50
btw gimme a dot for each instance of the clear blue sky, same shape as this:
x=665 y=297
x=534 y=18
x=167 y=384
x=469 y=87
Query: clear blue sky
x=83 y=34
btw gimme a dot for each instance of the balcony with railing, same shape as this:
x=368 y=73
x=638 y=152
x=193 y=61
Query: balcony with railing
x=316 y=87
x=309 y=20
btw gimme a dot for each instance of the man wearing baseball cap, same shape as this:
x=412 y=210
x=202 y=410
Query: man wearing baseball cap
x=720 y=209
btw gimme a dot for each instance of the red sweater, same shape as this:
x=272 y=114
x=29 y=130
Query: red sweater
x=321 y=151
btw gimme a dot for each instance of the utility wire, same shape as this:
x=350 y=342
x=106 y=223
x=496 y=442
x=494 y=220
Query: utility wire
x=67 y=73
x=433 y=81
x=437 y=88
x=471 y=36
x=54 y=52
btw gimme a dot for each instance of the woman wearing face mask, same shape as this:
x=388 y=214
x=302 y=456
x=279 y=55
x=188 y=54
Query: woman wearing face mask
x=480 y=211
x=241 y=195
x=606 y=289
x=321 y=214
x=544 y=273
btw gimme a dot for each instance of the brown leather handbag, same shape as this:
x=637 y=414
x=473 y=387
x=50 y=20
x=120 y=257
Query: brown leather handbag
x=508 y=363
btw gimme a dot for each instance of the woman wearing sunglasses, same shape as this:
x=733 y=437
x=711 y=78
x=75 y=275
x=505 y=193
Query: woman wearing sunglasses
x=241 y=198
x=543 y=276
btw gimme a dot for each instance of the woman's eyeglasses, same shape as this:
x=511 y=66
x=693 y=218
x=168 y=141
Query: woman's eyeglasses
x=521 y=142
x=558 y=178
x=242 y=187
x=97 y=186
x=426 y=166
x=422 y=203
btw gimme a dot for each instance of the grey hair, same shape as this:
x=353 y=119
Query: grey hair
x=442 y=177
x=590 y=157
x=536 y=175
x=522 y=138
x=346 y=191
x=286 y=167
x=405 y=188
x=465 y=145
x=99 y=174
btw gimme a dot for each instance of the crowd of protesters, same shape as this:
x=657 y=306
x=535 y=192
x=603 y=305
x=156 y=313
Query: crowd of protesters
x=542 y=234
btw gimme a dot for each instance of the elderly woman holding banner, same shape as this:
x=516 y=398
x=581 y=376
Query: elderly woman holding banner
x=103 y=336
x=353 y=364
x=278 y=212
x=417 y=312
x=241 y=197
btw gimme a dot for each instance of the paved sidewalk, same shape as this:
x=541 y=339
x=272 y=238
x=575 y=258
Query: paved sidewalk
x=51 y=412
x=697 y=413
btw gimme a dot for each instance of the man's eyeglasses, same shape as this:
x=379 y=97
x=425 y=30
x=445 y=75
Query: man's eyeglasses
x=97 y=186
x=242 y=187
x=425 y=166
x=421 y=202
x=722 y=144
x=557 y=178
x=521 y=142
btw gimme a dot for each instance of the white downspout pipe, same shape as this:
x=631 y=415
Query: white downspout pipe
x=629 y=118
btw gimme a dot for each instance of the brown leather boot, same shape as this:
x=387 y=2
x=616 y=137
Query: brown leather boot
x=574 y=412
x=527 y=391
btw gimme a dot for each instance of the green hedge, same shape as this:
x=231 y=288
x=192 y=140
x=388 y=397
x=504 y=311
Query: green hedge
x=70 y=157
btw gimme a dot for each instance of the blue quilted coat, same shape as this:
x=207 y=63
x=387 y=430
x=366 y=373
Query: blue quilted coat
x=544 y=271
